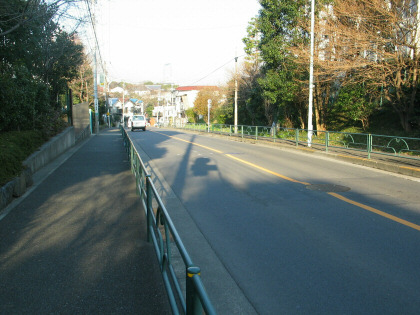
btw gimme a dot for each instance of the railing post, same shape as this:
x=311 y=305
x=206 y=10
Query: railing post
x=149 y=208
x=131 y=157
x=297 y=137
x=274 y=133
x=242 y=131
x=193 y=302
x=327 y=140
x=256 y=132
x=369 y=145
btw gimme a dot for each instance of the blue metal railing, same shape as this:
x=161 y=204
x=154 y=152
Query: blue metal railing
x=162 y=233
x=402 y=147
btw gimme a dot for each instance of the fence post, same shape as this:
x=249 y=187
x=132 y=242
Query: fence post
x=369 y=145
x=297 y=137
x=132 y=157
x=149 y=207
x=242 y=131
x=138 y=177
x=193 y=302
x=256 y=132
x=327 y=140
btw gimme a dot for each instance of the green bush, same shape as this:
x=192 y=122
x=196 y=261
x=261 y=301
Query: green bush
x=15 y=147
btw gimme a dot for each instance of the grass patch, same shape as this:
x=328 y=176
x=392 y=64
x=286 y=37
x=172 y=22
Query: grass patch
x=15 y=147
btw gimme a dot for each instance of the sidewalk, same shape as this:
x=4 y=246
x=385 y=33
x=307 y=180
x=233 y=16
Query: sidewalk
x=76 y=242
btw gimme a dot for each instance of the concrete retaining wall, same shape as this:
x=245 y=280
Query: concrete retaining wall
x=47 y=153
x=50 y=150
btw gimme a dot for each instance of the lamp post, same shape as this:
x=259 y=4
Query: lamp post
x=208 y=116
x=311 y=74
x=236 y=95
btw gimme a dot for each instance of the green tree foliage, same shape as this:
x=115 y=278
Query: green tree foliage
x=270 y=36
x=190 y=115
x=358 y=44
x=358 y=102
x=200 y=103
x=37 y=60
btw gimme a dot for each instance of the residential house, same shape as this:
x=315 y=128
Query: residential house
x=186 y=95
x=175 y=102
x=118 y=90
x=115 y=105
x=133 y=106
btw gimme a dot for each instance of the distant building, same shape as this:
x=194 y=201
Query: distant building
x=186 y=95
x=118 y=90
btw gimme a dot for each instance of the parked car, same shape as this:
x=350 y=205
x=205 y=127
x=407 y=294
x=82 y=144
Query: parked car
x=138 y=122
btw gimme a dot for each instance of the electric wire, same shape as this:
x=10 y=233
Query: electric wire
x=230 y=60
x=96 y=38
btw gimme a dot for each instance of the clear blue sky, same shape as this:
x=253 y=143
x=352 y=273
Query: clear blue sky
x=165 y=40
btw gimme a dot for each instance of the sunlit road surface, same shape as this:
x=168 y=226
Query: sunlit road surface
x=297 y=233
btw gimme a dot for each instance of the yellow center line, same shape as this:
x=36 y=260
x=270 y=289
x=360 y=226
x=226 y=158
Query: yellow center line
x=199 y=145
x=266 y=170
x=342 y=198
x=379 y=212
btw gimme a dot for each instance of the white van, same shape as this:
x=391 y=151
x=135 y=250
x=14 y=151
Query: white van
x=138 y=122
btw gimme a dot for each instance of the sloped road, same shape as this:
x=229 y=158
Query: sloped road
x=297 y=234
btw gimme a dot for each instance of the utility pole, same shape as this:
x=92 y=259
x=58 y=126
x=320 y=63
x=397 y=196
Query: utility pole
x=95 y=87
x=236 y=95
x=123 y=107
x=311 y=75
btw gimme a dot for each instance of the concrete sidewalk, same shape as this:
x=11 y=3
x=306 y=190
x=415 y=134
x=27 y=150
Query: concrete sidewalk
x=76 y=242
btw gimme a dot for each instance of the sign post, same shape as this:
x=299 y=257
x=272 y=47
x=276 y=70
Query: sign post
x=208 y=116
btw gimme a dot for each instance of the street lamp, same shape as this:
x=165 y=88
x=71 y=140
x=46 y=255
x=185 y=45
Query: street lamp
x=311 y=75
x=236 y=96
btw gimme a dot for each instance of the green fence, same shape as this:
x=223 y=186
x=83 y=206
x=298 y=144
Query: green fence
x=186 y=292
x=403 y=147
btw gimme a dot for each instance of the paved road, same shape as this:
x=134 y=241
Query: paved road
x=77 y=243
x=297 y=234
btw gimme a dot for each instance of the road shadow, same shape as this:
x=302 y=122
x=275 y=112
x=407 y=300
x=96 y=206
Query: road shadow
x=77 y=243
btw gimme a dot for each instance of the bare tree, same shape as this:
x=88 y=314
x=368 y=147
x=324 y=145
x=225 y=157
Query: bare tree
x=16 y=13
x=371 y=41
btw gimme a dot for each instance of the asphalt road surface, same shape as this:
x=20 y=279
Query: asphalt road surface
x=297 y=234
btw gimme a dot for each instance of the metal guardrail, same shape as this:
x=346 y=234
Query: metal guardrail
x=187 y=297
x=402 y=147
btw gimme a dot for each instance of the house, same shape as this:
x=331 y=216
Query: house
x=114 y=105
x=133 y=106
x=172 y=104
x=118 y=90
x=186 y=95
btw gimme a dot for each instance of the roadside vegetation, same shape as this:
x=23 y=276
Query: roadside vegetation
x=39 y=62
x=366 y=67
x=366 y=72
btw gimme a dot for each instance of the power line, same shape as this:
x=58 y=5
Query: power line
x=230 y=60
x=94 y=33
